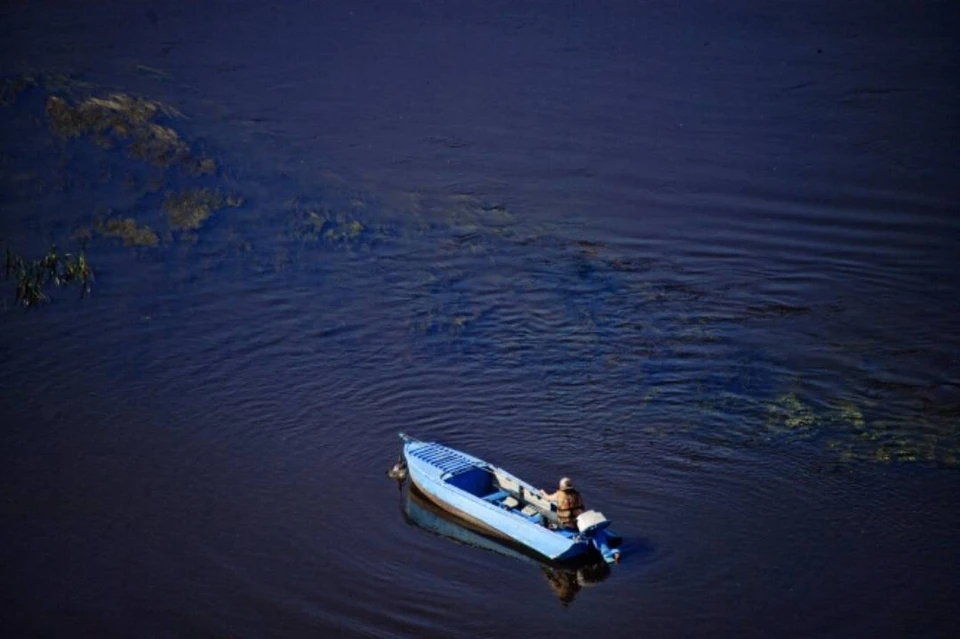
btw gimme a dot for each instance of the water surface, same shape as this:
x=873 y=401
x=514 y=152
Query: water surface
x=701 y=259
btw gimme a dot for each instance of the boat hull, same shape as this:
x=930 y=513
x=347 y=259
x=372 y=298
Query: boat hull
x=473 y=521
x=433 y=469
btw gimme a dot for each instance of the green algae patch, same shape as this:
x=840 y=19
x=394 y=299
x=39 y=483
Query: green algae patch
x=140 y=130
x=188 y=211
x=119 y=113
x=850 y=414
x=120 y=118
x=343 y=229
x=915 y=438
x=314 y=225
x=234 y=201
x=204 y=166
x=791 y=413
x=127 y=230
x=59 y=269
x=159 y=145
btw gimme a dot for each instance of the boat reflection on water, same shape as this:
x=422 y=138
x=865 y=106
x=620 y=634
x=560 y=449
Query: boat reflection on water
x=565 y=581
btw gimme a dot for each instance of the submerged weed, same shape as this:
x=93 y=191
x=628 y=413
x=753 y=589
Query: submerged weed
x=120 y=117
x=204 y=166
x=791 y=413
x=188 y=211
x=850 y=414
x=132 y=235
x=313 y=226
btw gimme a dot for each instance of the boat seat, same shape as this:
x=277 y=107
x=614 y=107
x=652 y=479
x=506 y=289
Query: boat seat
x=497 y=496
x=510 y=502
x=530 y=511
x=532 y=514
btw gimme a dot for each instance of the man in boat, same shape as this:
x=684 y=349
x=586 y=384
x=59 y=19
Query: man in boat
x=569 y=503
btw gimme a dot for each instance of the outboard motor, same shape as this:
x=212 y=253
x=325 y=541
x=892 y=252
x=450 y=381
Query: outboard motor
x=592 y=525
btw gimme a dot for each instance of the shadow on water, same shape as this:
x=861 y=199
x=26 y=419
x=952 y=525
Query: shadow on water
x=564 y=580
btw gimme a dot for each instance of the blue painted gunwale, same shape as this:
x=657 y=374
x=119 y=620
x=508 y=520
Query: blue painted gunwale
x=430 y=465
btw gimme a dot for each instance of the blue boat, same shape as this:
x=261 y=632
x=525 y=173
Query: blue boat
x=498 y=504
x=564 y=580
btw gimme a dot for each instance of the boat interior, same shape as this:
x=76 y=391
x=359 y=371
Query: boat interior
x=507 y=492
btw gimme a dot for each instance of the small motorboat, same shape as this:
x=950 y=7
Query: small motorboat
x=498 y=504
x=565 y=580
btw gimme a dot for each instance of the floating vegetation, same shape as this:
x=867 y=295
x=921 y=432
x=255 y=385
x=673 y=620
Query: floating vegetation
x=13 y=87
x=204 y=166
x=159 y=145
x=438 y=320
x=599 y=295
x=138 y=125
x=466 y=209
x=118 y=118
x=131 y=234
x=234 y=201
x=850 y=414
x=53 y=268
x=138 y=129
x=791 y=413
x=341 y=229
x=188 y=211
x=850 y=437
x=463 y=212
x=316 y=225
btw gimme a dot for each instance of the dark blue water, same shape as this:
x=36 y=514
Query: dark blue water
x=702 y=259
